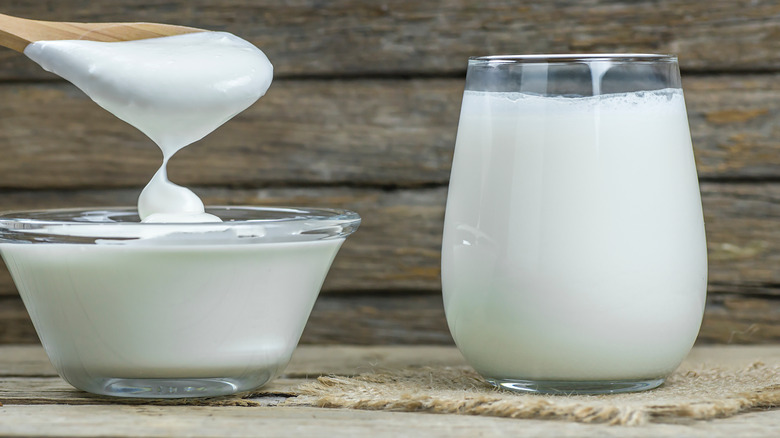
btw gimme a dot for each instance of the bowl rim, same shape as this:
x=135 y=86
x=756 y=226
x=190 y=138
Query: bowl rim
x=122 y=223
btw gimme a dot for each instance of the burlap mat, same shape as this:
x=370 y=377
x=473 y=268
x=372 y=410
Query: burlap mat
x=700 y=393
x=689 y=394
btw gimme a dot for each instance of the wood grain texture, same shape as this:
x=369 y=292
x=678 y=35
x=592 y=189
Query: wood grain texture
x=30 y=360
x=352 y=132
x=17 y=33
x=735 y=125
x=15 y=324
x=363 y=115
x=301 y=132
x=398 y=245
x=357 y=37
x=743 y=237
x=54 y=390
x=396 y=248
x=46 y=406
x=25 y=360
x=739 y=319
x=418 y=319
x=57 y=420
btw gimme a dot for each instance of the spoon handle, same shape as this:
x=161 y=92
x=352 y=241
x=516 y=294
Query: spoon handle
x=16 y=33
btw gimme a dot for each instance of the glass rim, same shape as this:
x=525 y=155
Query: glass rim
x=573 y=58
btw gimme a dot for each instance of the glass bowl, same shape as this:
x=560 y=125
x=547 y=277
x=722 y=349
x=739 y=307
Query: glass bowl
x=170 y=310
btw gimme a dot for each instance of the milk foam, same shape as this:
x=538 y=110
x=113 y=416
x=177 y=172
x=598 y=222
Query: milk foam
x=176 y=90
x=475 y=102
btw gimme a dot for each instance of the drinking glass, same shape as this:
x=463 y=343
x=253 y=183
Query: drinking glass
x=574 y=256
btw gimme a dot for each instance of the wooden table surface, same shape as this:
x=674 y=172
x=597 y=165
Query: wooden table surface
x=38 y=403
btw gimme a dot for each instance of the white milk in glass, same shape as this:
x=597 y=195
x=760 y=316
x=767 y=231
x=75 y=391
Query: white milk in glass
x=573 y=241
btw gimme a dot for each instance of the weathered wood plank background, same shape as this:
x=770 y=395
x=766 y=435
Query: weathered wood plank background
x=363 y=114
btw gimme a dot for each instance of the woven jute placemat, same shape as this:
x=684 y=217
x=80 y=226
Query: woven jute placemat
x=699 y=393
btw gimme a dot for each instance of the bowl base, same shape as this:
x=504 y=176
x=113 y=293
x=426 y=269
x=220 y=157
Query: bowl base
x=173 y=388
x=565 y=387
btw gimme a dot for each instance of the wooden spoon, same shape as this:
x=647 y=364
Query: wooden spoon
x=17 y=33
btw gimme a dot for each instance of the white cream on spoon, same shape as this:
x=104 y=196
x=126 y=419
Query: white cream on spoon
x=176 y=90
